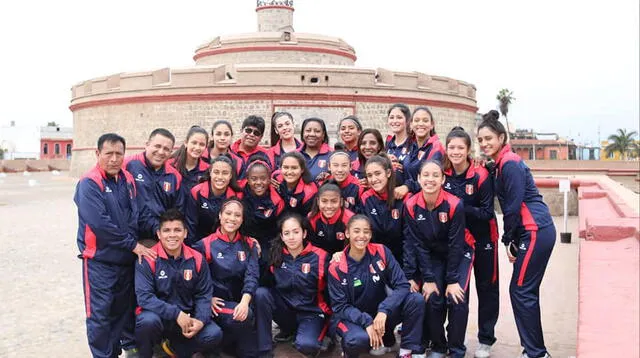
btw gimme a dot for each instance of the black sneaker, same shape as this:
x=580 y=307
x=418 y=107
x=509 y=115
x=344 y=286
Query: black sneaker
x=282 y=337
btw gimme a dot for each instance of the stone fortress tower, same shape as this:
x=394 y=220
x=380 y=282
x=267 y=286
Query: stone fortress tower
x=274 y=69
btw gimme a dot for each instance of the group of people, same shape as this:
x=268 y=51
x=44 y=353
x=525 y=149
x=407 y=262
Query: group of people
x=199 y=250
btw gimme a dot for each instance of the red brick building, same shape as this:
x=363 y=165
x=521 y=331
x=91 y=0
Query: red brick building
x=56 y=142
x=542 y=146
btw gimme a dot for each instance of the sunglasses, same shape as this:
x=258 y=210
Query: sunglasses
x=255 y=132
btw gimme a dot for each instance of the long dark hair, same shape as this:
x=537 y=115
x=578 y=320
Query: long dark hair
x=356 y=218
x=306 y=176
x=275 y=137
x=328 y=186
x=322 y=124
x=407 y=116
x=377 y=135
x=383 y=160
x=180 y=155
x=277 y=244
x=456 y=132
x=433 y=122
x=491 y=120
x=224 y=158
x=213 y=128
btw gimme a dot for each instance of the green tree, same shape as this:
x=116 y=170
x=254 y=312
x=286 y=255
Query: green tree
x=505 y=98
x=622 y=142
x=1 y=153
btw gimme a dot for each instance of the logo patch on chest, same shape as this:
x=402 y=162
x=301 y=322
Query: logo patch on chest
x=166 y=186
x=420 y=155
x=340 y=236
x=267 y=213
x=187 y=275
x=351 y=201
x=163 y=275
x=468 y=189
x=381 y=265
x=395 y=214
x=293 y=202
x=242 y=256
x=306 y=268
x=322 y=163
x=443 y=217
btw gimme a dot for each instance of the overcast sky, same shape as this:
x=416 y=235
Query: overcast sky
x=572 y=65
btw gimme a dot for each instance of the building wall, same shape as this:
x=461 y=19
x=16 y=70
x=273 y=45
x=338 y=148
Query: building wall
x=48 y=148
x=276 y=56
x=274 y=19
x=136 y=120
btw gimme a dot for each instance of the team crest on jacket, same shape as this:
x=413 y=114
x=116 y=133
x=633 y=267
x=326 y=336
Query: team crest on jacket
x=381 y=265
x=340 y=236
x=469 y=189
x=371 y=269
x=395 y=213
x=242 y=256
x=166 y=186
x=420 y=155
x=187 y=274
x=322 y=163
x=267 y=213
x=404 y=150
x=293 y=202
x=443 y=217
x=306 y=268
x=351 y=200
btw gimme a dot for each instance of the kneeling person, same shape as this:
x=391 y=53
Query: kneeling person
x=174 y=295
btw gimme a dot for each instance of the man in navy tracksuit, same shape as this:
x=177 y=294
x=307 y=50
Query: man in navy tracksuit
x=174 y=295
x=443 y=255
x=475 y=188
x=158 y=183
x=357 y=292
x=296 y=300
x=107 y=240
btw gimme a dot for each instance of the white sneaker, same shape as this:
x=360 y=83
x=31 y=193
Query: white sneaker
x=483 y=351
x=524 y=355
x=380 y=351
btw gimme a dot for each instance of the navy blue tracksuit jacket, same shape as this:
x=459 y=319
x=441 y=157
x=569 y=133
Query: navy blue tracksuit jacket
x=319 y=163
x=158 y=191
x=386 y=223
x=529 y=226
x=300 y=199
x=328 y=234
x=400 y=151
x=192 y=177
x=276 y=152
x=261 y=216
x=431 y=149
x=351 y=193
x=258 y=153
x=202 y=209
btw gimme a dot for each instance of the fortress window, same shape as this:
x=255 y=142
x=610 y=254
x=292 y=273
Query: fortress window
x=326 y=78
x=68 y=150
x=302 y=78
x=287 y=36
x=57 y=148
x=45 y=149
x=314 y=80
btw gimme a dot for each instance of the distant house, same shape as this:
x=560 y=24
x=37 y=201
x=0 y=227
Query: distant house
x=542 y=146
x=616 y=155
x=56 y=142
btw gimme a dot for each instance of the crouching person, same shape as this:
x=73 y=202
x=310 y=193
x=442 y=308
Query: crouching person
x=174 y=295
x=364 y=315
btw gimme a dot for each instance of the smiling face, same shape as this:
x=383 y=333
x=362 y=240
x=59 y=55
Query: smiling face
x=284 y=127
x=340 y=167
x=258 y=179
x=222 y=136
x=251 y=137
x=172 y=234
x=329 y=203
x=457 y=151
x=291 y=170
x=369 y=146
x=157 y=150
x=431 y=178
x=220 y=176
x=377 y=177
x=490 y=142
x=348 y=131
x=292 y=234
x=359 y=234
x=313 y=135
x=421 y=124
x=230 y=218
x=196 y=145
x=110 y=157
x=396 y=121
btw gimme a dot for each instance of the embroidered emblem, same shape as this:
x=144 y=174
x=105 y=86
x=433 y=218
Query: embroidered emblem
x=166 y=186
x=293 y=202
x=340 y=236
x=381 y=265
x=469 y=189
x=187 y=274
x=242 y=256
x=395 y=214
x=443 y=217
x=306 y=268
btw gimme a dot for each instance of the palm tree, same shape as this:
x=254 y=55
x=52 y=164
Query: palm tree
x=505 y=98
x=621 y=142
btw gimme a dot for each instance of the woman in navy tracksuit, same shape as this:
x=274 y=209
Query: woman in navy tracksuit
x=203 y=203
x=282 y=137
x=328 y=219
x=364 y=314
x=315 y=148
x=370 y=143
x=262 y=208
x=425 y=145
x=474 y=186
x=529 y=232
x=221 y=135
x=443 y=255
x=295 y=296
x=294 y=184
x=339 y=167
x=233 y=263
x=349 y=129
x=190 y=159
x=398 y=121
x=379 y=204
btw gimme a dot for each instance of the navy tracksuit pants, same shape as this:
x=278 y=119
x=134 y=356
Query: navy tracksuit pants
x=310 y=328
x=440 y=308
x=410 y=313
x=110 y=301
x=150 y=329
x=239 y=337
x=534 y=250
x=485 y=269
